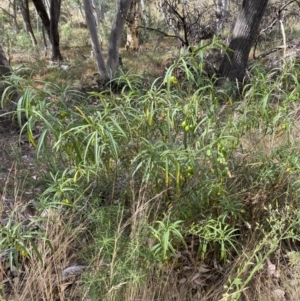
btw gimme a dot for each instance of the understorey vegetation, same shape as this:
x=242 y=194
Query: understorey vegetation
x=166 y=181
x=169 y=191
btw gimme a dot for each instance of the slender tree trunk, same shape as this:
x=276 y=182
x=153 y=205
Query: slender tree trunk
x=55 y=6
x=116 y=35
x=91 y=23
x=50 y=24
x=44 y=40
x=101 y=12
x=26 y=20
x=15 y=22
x=281 y=18
x=234 y=63
x=95 y=12
x=42 y=12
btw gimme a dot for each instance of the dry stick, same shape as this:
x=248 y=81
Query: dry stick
x=2 y=273
x=282 y=30
x=283 y=38
x=6 y=12
x=264 y=54
x=162 y=32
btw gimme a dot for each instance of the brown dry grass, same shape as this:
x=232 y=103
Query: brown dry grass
x=45 y=280
x=36 y=280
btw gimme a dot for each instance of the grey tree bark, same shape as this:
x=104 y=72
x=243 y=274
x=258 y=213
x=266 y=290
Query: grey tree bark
x=50 y=24
x=91 y=23
x=42 y=12
x=234 y=63
x=115 y=36
x=47 y=5
x=55 y=6
x=133 y=21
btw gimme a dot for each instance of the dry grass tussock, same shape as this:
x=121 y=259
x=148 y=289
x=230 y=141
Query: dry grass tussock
x=277 y=279
x=174 y=284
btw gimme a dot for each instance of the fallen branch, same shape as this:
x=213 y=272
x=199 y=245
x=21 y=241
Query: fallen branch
x=162 y=32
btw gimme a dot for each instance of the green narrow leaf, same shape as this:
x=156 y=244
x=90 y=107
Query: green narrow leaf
x=83 y=115
x=36 y=250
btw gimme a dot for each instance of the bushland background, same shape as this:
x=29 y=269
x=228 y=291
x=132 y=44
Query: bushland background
x=160 y=184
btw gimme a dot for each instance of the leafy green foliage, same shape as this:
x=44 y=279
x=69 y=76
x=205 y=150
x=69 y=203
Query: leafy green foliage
x=19 y=240
x=180 y=152
x=166 y=234
x=218 y=234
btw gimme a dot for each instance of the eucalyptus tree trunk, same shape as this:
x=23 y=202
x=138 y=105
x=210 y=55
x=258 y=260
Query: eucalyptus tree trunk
x=98 y=9
x=47 y=5
x=55 y=6
x=133 y=21
x=234 y=63
x=26 y=20
x=101 y=12
x=50 y=24
x=44 y=40
x=116 y=35
x=42 y=12
x=14 y=14
x=92 y=26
